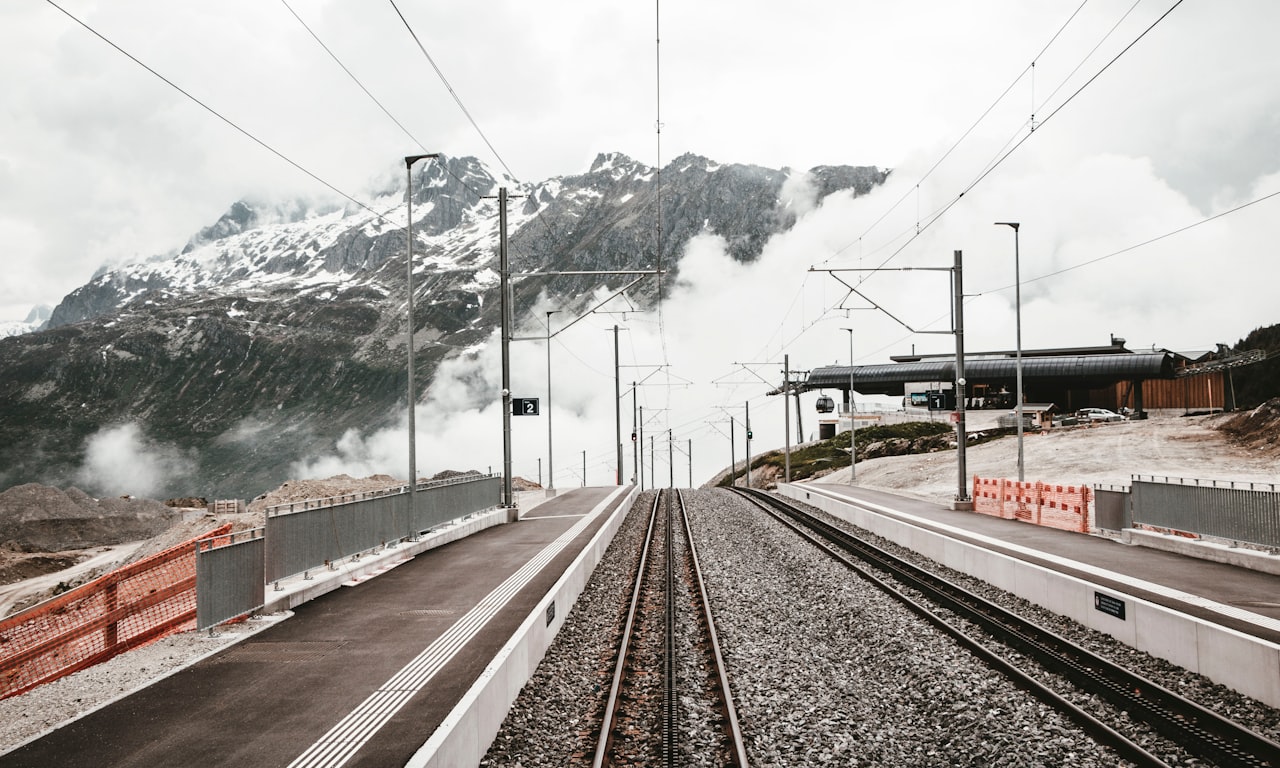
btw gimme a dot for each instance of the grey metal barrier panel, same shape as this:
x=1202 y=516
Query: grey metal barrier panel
x=1111 y=509
x=229 y=576
x=442 y=501
x=1244 y=512
x=308 y=535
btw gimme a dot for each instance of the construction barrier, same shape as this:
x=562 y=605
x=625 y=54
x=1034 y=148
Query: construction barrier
x=1065 y=507
x=127 y=608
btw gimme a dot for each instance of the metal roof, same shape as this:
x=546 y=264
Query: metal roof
x=1076 y=371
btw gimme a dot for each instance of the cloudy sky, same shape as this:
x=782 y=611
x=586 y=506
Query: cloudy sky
x=101 y=161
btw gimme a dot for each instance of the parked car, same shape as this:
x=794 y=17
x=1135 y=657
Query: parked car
x=1098 y=414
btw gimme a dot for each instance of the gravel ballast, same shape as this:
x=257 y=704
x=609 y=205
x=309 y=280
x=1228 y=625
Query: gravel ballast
x=825 y=669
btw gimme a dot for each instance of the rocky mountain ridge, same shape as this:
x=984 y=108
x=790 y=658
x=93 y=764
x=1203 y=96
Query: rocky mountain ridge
x=282 y=325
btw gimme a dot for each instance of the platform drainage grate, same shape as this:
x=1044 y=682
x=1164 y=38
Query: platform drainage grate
x=430 y=612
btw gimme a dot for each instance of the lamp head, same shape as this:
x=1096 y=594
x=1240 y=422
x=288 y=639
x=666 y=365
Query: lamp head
x=1013 y=224
x=411 y=159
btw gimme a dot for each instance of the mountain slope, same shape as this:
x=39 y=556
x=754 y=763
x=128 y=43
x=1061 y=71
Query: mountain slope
x=281 y=326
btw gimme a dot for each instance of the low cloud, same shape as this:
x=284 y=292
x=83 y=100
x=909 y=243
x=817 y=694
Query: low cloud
x=122 y=460
x=725 y=326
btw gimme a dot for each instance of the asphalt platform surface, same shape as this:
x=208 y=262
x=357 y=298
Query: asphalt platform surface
x=1252 y=591
x=267 y=700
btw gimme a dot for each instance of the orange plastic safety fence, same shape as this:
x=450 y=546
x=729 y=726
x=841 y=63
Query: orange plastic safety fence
x=1065 y=507
x=129 y=607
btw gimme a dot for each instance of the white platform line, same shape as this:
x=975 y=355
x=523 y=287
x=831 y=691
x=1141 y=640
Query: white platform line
x=357 y=728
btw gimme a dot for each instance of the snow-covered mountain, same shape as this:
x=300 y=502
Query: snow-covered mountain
x=37 y=318
x=282 y=324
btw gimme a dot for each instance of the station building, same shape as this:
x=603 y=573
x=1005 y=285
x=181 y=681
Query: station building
x=1063 y=380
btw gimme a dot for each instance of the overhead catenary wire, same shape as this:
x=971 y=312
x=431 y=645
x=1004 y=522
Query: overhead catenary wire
x=1127 y=249
x=243 y=131
x=956 y=144
x=375 y=100
x=1000 y=160
x=456 y=98
x=353 y=77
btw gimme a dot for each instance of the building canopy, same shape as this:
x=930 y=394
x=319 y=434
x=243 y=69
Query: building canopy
x=1074 y=371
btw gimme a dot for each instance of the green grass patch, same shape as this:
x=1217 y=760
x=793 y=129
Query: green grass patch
x=834 y=453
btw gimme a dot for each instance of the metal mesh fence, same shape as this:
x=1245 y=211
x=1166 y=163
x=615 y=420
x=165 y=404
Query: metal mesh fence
x=305 y=535
x=129 y=607
x=229 y=576
x=1244 y=512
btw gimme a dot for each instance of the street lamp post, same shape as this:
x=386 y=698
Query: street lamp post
x=551 y=475
x=413 y=395
x=853 y=421
x=640 y=447
x=1017 y=302
x=617 y=406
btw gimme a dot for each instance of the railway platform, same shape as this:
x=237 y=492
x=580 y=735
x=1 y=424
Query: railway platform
x=1218 y=619
x=413 y=667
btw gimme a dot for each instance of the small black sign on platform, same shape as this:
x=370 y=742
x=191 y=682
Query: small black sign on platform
x=524 y=406
x=1109 y=605
x=551 y=613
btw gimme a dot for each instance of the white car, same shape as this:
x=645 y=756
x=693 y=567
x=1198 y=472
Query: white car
x=1098 y=414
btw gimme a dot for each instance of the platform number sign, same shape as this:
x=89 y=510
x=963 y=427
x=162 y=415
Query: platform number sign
x=524 y=406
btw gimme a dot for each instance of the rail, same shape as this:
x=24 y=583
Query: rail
x=724 y=694
x=671 y=686
x=1200 y=731
x=604 y=746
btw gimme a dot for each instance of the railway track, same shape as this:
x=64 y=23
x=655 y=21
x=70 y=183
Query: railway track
x=1199 y=731
x=669 y=621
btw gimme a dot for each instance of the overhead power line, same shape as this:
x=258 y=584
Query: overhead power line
x=962 y=138
x=457 y=99
x=216 y=113
x=353 y=77
x=1157 y=239
x=999 y=161
x=375 y=100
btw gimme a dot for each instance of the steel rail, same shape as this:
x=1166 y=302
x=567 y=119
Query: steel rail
x=1199 y=730
x=605 y=743
x=733 y=729
x=670 y=676
x=1096 y=728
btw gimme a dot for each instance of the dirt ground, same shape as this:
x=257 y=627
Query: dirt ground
x=1242 y=447
x=1164 y=445
x=27 y=578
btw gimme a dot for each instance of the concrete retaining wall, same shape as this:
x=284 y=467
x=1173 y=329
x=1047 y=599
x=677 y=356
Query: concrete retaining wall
x=467 y=731
x=1241 y=662
x=1204 y=549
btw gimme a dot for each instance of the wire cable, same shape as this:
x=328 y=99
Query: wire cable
x=999 y=161
x=245 y=132
x=457 y=99
x=351 y=75
x=444 y=165
x=1145 y=243
x=960 y=140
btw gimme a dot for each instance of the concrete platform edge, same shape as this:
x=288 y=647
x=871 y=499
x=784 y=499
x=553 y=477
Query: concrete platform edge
x=1254 y=560
x=1246 y=664
x=468 y=730
x=296 y=590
